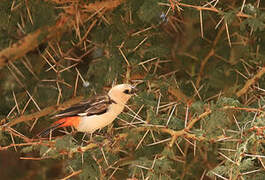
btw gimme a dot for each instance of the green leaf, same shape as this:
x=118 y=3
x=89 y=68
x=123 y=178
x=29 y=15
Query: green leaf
x=149 y=11
x=229 y=17
x=64 y=143
x=226 y=101
x=87 y=164
x=198 y=107
x=146 y=99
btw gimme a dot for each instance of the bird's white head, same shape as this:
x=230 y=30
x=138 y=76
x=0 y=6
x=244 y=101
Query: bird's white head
x=121 y=93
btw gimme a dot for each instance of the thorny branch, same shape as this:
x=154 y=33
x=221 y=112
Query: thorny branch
x=44 y=34
x=21 y=145
x=213 y=9
x=44 y=112
x=72 y=174
x=32 y=41
x=176 y=134
x=251 y=81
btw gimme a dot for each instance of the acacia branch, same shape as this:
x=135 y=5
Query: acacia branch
x=107 y=4
x=72 y=174
x=179 y=95
x=66 y=22
x=251 y=82
x=32 y=41
x=176 y=134
x=45 y=111
x=213 y=9
x=21 y=145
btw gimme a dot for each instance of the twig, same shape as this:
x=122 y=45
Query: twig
x=203 y=63
x=19 y=145
x=209 y=55
x=176 y=134
x=179 y=95
x=71 y=175
x=44 y=111
x=213 y=9
x=103 y=4
x=34 y=158
x=124 y=57
x=251 y=82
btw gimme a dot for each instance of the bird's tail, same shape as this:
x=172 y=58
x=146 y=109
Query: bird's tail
x=64 y=122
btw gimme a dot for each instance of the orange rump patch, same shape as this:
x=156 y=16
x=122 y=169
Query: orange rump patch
x=69 y=121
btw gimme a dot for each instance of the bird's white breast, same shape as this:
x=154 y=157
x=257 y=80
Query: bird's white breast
x=94 y=122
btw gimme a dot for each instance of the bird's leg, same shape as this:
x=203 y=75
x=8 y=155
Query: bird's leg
x=91 y=137
x=73 y=132
x=83 y=138
x=109 y=134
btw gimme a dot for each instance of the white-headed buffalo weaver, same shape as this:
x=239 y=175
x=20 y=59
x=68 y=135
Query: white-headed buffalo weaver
x=95 y=113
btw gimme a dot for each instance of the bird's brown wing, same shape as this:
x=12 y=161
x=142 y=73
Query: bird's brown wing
x=94 y=106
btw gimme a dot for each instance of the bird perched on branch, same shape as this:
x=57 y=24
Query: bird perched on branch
x=95 y=113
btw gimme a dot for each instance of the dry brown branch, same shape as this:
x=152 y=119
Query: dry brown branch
x=34 y=158
x=209 y=55
x=17 y=134
x=108 y=5
x=45 y=111
x=183 y=132
x=31 y=41
x=72 y=174
x=213 y=9
x=176 y=134
x=251 y=82
x=179 y=95
x=203 y=63
x=91 y=7
x=244 y=109
x=20 y=145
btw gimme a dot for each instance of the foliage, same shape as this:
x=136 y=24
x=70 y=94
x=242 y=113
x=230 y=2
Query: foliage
x=199 y=67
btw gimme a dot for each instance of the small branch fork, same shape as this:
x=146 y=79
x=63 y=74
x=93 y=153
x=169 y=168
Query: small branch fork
x=176 y=134
x=74 y=173
x=184 y=132
x=251 y=81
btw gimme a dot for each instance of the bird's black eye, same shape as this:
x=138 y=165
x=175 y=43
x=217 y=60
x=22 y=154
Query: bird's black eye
x=127 y=91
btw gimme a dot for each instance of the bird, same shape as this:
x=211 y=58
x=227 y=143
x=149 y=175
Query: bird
x=94 y=113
